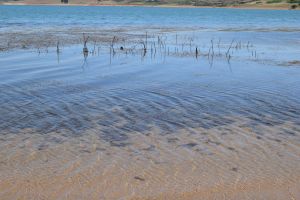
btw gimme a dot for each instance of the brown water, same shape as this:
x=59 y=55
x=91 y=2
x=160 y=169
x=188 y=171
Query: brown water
x=168 y=125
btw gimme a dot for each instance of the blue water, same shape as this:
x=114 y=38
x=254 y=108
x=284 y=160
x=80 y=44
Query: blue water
x=207 y=18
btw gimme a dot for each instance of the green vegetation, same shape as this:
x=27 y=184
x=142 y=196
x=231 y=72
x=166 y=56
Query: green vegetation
x=184 y=2
x=274 y=1
x=294 y=1
x=4 y=0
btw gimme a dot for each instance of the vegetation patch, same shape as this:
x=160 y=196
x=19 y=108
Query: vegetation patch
x=274 y=1
x=293 y=6
x=294 y=1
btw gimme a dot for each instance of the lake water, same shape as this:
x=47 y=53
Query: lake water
x=143 y=114
x=19 y=17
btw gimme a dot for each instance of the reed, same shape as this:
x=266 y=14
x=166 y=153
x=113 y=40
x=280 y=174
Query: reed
x=85 y=41
x=57 y=47
x=158 y=45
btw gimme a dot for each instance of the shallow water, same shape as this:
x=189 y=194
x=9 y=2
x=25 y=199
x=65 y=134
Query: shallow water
x=154 y=126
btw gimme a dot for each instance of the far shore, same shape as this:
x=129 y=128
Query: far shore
x=245 y=6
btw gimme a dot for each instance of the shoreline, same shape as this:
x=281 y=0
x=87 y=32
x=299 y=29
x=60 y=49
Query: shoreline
x=243 y=7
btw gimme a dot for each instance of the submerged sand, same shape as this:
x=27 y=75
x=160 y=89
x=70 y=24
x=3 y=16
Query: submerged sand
x=227 y=162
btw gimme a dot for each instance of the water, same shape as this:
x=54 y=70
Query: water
x=164 y=124
x=19 y=17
